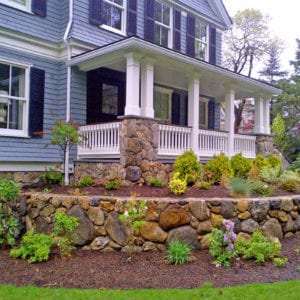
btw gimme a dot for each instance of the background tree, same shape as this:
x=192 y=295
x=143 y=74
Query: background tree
x=278 y=128
x=247 y=42
x=296 y=62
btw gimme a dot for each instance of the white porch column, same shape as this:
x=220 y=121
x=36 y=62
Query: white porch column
x=147 y=83
x=193 y=110
x=259 y=115
x=229 y=120
x=132 y=84
x=266 y=118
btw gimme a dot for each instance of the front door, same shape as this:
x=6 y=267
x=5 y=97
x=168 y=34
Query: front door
x=105 y=95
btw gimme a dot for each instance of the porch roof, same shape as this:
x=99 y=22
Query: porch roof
x=173 y=68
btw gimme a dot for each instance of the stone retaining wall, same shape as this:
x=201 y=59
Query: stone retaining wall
x=166 y=219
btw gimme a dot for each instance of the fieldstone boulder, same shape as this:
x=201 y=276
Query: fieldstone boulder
x=259 y=209
x=98 y=243
x=204 y=227
x=96 y=215
x=204 y=242
x=289 y=226
x=174 y=216
x=297 y=224
x=242 y=205
x=184 y=234
x=152 y=232
x=84 y=232
x=248 y=226
x=116 y=229
x=133 y=173
x=287 y=205
x=227 y=210
x=275 y=204
x=272 y=228
x=149 y=246
x=199 y=209
x=42 y=226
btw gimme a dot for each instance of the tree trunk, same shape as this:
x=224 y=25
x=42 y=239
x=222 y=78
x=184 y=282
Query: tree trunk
x=238 y=112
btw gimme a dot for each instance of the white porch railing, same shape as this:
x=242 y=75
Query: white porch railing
x=211 y=142
x=245 y=144
x=99 y=140
x=173 y=140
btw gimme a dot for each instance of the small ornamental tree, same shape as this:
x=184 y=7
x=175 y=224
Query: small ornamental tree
x=65 y=135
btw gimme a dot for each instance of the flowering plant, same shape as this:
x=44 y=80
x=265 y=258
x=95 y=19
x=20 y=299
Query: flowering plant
x=132 y=217
x=222 y=244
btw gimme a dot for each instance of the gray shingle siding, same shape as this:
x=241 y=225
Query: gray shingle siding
x=51 y=27
x=33 y=149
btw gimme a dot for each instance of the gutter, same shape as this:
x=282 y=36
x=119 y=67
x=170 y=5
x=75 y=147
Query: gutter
x=68 y=100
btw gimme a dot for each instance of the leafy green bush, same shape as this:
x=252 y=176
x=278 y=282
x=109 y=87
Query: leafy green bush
x=296 y=165
x=35 y=246
x=86 y=180
x=52 y=177
x=274 y=161
x=156 y=182
x=204 y=185
x=270 y=174
x=178 y=252
x=289 y=185
x=258 y=247
x=289 y=174
x=177 y=186
x=219 y=166
x=112 y=183
x=260 y=188
x=8 y=222
x=240 y=165
x=260 y=161
x=188 y=167
x=279 y=261
x=63 y=229
x=239 y=187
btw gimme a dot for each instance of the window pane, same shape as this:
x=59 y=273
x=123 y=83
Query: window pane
x=3 y=109
x=157 y=34
x=18 y=82
x=116 y=18
x=200 y=50
x=110 y=99
x=22 y=2
x=158 y=12
x=164 y=36
x=120 y=2
x=202 y=114
x=4 y=78
x=166 y=15
x=15 y=115
x=161 y=105
x=106 y=14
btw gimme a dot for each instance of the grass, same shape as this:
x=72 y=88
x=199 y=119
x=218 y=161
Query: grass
x=281 y=290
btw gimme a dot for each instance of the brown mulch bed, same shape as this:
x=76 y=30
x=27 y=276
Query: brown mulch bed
x=139 y=191
x=109 y=270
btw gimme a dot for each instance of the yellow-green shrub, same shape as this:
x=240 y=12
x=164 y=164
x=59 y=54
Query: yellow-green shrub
x=177 y=186
x=240 y=165
x=188 y=167
x=219 y=165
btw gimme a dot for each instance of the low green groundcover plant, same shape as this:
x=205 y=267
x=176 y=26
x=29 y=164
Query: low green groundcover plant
x=177 y=186
x=112 y=183
x=52 y=177
x=258 y=247
x=86 y=180
x=156 y=182
x=178 y=252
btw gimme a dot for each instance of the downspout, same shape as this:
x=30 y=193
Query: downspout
x=68 y=100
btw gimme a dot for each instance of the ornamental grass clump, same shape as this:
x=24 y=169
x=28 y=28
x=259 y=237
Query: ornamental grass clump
x=178 y=252
x=239 y=187
x=221 y=244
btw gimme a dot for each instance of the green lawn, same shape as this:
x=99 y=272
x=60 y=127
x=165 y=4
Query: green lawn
x=282 y=290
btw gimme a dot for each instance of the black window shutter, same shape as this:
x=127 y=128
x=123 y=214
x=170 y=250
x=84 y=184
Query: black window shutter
x=217 y=116
x=186 y=102
x=131 y=17
x=95 y=12
x=212 y=45
x=175 y=109
x=36 y=102
x=39 y=7
x=94 y=91
x=177 y=30
x=149 y=21
x=211 y=114
x=190 y=35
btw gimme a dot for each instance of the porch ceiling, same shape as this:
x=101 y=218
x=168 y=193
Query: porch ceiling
x=173 y=69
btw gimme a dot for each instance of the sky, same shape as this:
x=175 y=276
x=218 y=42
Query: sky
x=285 y=22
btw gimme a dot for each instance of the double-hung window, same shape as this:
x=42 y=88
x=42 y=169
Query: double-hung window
x=14 y=96
x=162 y=104
x=201 y=40
x=113 y=15
x=203 y=113
x=20 y=4
x=162 y=30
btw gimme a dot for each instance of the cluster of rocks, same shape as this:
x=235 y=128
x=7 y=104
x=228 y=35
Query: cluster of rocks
x=189 y=220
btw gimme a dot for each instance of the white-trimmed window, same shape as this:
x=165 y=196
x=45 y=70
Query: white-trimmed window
x=114 y=15
x=14 y=97
x=203 y=113
x=201 y=40
x=163 y=21
x=162 y=103
x=19 y=4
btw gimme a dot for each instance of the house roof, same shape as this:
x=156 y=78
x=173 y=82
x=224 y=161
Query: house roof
x=175 y=67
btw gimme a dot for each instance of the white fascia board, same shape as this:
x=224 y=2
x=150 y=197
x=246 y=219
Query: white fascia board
x=95 y=58
x=219 y=7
